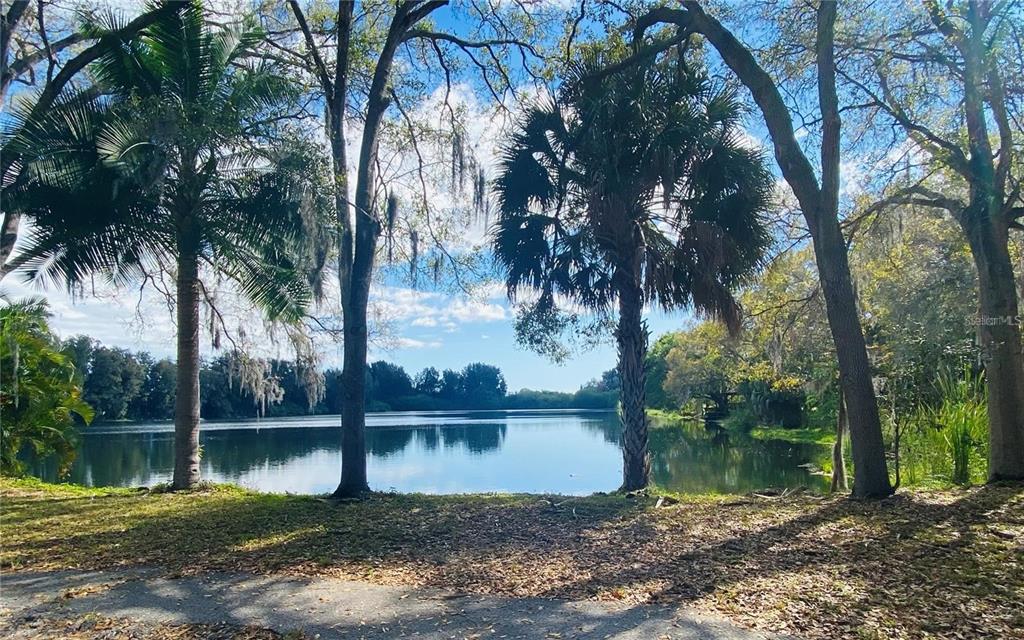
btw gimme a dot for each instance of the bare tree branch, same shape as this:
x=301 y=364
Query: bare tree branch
x=314 y=51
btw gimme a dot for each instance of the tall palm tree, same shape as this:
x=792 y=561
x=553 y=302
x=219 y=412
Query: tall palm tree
x=634 y=188
x=171 y=161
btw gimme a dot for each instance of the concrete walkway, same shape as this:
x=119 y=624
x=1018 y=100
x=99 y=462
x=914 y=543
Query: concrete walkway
x=337 y=608
x=341 y=609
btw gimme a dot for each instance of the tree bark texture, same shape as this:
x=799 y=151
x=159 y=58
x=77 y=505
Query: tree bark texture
x=186 y=402
x=819 y=205
x=1000 y=342
x=632 y=342
x=838 y=459
x=986 y=225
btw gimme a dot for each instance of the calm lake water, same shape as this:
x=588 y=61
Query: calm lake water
x=568 y=452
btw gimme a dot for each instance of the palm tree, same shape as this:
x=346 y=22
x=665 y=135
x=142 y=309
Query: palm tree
x=171 y=161
x=40 y=400
x=633 y=189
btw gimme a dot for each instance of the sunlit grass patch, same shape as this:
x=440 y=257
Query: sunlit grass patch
x=813 y=565
x=274 y=540
x=808 y=435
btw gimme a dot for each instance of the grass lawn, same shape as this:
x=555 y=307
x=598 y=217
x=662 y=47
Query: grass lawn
x=807 y=435
x=920 y=564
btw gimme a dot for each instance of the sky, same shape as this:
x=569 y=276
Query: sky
x=429 y=329
x=423 y=328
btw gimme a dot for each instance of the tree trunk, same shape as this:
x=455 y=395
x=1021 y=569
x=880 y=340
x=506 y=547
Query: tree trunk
x=8 y=238
x=838 y=459
x=8 y=22
x=186 y=403
x=987 y=228
x=353 y=410
x=819 y=204
x=632 y=342
x=355 y=301
x=358 y=249
x=999 y=335
x=358 y=230
x=870 y=474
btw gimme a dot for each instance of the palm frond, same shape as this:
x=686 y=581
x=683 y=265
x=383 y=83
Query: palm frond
x=641 y=167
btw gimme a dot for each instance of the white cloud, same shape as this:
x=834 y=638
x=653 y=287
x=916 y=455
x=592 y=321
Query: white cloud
x=432 y=309
x=412 y=343
x=475 y=311
x=750 y=141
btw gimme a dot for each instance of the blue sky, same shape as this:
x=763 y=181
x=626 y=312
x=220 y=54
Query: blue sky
x=493 y=341
x=425 y=328
x=462 y=331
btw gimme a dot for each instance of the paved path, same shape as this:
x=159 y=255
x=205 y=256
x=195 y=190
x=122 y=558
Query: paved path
x=342 y=609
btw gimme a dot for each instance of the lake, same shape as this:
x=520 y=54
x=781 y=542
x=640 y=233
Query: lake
x=567 y=452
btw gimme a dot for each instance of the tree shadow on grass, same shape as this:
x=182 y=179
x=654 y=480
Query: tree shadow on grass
x=255 y=532
x=837 y=563
x=923 y=563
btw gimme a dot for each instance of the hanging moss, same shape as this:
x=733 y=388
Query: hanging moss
x=459 y=162
x=414 y=254
x=480 y=194
x=390 y=216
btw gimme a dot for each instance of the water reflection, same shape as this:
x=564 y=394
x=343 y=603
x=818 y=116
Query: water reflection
x=544 y=451
x=701 y=459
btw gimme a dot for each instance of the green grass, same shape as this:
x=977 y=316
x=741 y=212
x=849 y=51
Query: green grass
x=777 y=564
x=662 y=418
x=809 y=435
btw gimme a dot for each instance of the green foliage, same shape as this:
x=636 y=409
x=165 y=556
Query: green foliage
x=657 y=372
x=156 y=398
x=483 y=382
x=809 y=435
x=637 y=176
x=741 y=419
x=115 y=382
x=947 y=439
x=40 y=399
x=915 y=286
x=115 y=378
x=555 y=333
x=182 y=155
x=701 y=364
x=610 y=380
x=774 y=401
x=387 y=380
x=428 y=381
x=705 y=363
x=223 y=394
x=283 y=388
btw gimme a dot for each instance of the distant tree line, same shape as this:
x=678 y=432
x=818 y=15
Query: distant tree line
x=123 y=385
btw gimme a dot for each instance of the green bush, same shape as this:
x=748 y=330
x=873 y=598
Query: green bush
x=948 y=439
x=40 y=400
x=775 y=402
x=742 y=418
